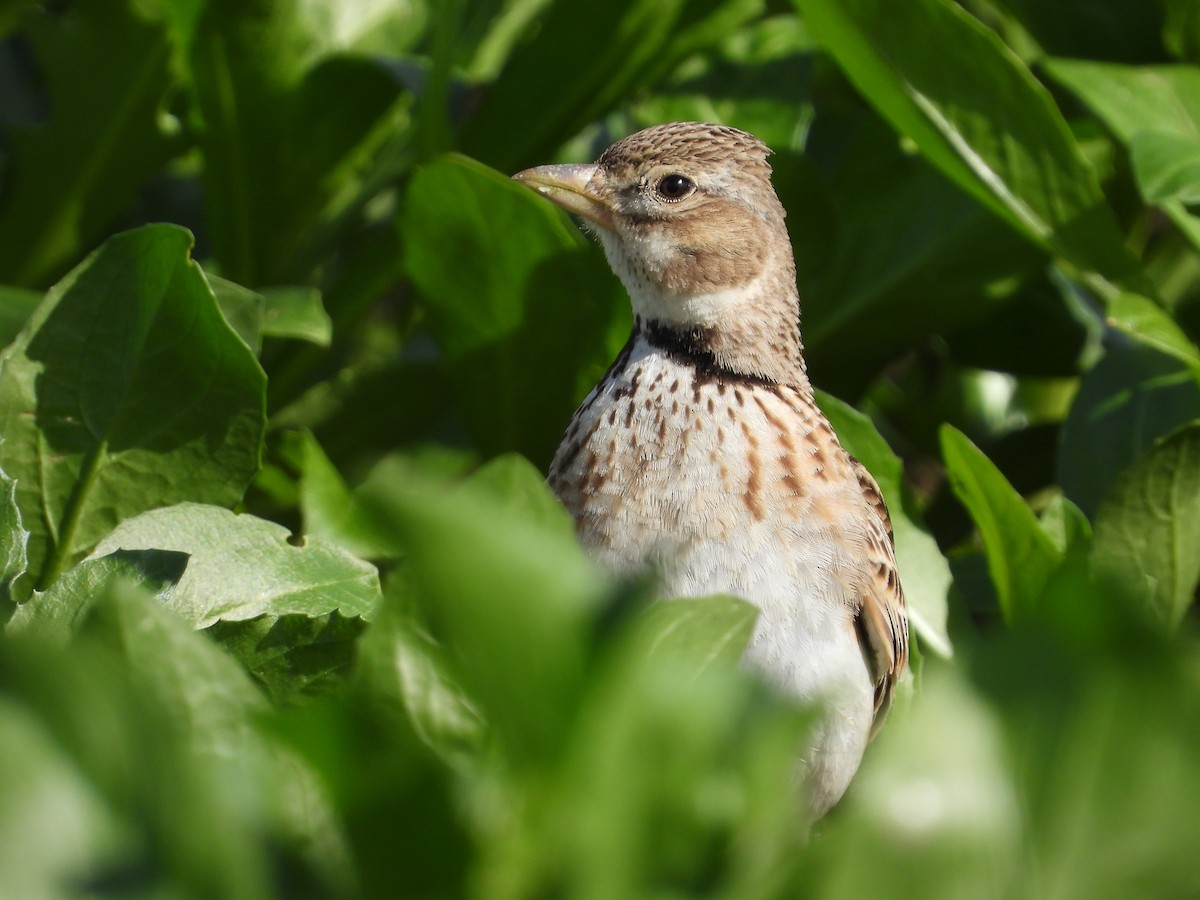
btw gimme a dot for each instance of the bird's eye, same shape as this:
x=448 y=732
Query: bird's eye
x=674 y=186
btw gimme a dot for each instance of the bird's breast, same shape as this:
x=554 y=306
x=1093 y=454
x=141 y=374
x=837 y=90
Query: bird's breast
x=720 y=485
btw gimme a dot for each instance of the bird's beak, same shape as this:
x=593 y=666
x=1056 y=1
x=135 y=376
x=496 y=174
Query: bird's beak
x=568 y=187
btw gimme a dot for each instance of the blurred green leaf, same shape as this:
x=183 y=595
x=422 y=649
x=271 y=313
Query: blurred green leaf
x=296 y=312
x=71 y=177
x=1021 y=555
x=127 y=390
x=513 y=598
x=1144 y=106
x=1132 y=397
x=1148 y=527
x=1065 y=524
x=528 y=315
x=401 y=659
x=516 y=484
x=924 y=572
x=1115 y=30
x=242 y=567
x=1167 y=166
x=977 y=113
x=1150 y=324
x=704 y=629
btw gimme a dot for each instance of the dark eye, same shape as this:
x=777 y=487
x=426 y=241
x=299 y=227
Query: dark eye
x=674 y=186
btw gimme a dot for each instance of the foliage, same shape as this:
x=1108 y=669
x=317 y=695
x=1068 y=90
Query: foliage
x=289 y=609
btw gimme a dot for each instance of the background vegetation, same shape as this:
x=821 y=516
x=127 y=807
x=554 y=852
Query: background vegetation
x=289 y=610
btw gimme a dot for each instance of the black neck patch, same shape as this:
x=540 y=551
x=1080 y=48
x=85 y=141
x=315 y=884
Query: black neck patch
x=692 y=346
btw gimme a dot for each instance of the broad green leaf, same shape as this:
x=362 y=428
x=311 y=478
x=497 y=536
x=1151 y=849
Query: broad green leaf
x=517 y=485
x=1115 y=30
x=679 y=764
x=279 y=112
x=947 y=760
x=56 y=613
x=1132 y=397
x=1148 y=527
x=889 y=279
x=1065 y=524
x=179 y=728
x=292 y=656
x=1020 y=554
x=1167 y=166
x=924 y=572
x=55 y=823
x=16 y=306
x=127 y=390
x=527 y=314
x=1131 y=100
x=400 y=658
x=977 y=113
x=513 y=599
x=626 y=43
x=1145 y=107
x=296 y=312
x=702 y=630
x=13 y=538
x=1150 y=324
x=106 y=77
x=331 y=511
x=242 y=308
x=242 y=567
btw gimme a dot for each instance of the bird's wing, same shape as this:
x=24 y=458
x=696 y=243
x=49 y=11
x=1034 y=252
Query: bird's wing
x=882 y=621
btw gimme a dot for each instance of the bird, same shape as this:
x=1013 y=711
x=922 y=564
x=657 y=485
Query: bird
x=702 y=456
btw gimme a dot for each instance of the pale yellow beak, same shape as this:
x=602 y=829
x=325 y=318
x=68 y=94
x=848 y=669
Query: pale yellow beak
x=568 y=187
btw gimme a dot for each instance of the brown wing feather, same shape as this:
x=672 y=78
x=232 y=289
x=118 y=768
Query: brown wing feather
x=882 y=621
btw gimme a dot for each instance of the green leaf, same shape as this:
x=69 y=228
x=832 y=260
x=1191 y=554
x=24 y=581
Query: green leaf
x=57 y=613
x=292 y=656
x=279 y=111
x=242 y=308
x=127 y=390
x=977 y=113
x=1167 y=166
x=296 y=312
x=13 y=539
x=332 y=512
x=106 y=76
x=1020 y=554
x=516 y=484
x=1148 y=527
x=626 y=43
x=924 y=571
x=16 y=306
x=527 y=314
x=513 y=598
x=1132 y=397
x=702 y=630
x=401 y=659
x=1150 y=324
x=1131 y=100
x=243 y=567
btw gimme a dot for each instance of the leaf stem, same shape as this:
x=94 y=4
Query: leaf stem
x=71 y=515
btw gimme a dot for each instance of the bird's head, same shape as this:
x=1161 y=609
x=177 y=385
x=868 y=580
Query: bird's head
x=690 y=223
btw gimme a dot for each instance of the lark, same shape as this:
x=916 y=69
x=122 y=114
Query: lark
x=701 y=454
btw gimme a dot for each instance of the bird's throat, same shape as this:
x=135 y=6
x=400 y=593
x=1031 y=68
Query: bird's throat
x=700 y=347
